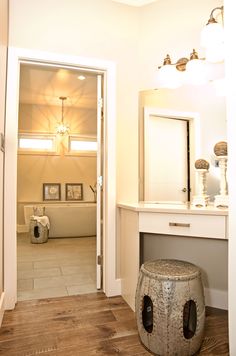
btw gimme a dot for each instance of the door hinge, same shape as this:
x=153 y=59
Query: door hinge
x=99 y=260
x=100 y=181
x=2 y=142
x=100 y=103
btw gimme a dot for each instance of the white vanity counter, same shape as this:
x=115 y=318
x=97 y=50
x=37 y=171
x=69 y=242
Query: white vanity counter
x=167 y=219
x=176 y=208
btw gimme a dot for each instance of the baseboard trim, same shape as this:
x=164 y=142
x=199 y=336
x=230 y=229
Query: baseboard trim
x=2 y=307
x=22 y=228
x=216 y=298
x=114 y=289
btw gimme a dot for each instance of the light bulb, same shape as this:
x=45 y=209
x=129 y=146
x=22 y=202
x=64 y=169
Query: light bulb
x=212 y=34
x=62 y=129
x=168 y=77
x=196 y=73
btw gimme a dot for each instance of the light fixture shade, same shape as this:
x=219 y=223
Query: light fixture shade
x=215 y=53
x=212 y=34
x=168 y=77
x=196 y=72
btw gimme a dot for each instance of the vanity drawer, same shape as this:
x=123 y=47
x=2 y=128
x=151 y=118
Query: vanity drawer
x=210 y=226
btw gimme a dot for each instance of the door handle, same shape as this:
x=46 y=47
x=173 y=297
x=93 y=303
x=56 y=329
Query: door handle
x=184 y=190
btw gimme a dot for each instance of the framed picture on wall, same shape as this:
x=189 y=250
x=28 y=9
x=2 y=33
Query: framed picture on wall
x=51 y=191
x=74 y=191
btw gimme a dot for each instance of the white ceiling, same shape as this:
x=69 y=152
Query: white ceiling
x=43 y=85
x=135 y=2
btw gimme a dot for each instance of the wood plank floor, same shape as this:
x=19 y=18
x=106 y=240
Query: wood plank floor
x=87 y=325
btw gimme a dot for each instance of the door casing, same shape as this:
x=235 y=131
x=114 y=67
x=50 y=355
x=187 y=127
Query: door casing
x=111 y=285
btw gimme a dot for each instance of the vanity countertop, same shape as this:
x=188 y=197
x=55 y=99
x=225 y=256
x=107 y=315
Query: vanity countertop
x=172 y=207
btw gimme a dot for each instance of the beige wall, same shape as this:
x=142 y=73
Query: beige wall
x=3 y=54
x=44 y=119
x=170 y=27
x=35 y=169
x=135 y=39
x=99 y=29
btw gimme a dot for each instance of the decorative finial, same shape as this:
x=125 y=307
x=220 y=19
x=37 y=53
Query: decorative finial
x=201 y=164
x=220 y=148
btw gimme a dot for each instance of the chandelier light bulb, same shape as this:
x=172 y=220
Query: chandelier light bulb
x=62 y=129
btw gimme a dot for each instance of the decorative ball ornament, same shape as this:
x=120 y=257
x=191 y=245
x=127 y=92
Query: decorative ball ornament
x=220 y=148
x=201 y=164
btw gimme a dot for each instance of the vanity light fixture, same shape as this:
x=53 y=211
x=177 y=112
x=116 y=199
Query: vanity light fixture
x=212 y=36
x=213 y=33
x=193 y=70
x=62 y=128
x=185 y=70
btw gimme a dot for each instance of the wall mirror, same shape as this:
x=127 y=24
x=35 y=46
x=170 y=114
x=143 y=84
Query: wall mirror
x=176 y=127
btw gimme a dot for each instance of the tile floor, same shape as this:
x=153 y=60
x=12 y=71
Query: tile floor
x=57 y=268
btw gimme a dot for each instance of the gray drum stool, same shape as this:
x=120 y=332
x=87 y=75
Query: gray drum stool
x=170 y=308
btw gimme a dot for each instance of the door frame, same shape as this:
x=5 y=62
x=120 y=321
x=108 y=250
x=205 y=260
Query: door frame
x=194 y=140
x=16 y=56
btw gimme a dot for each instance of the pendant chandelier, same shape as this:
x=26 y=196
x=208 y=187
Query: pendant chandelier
x=62 y=128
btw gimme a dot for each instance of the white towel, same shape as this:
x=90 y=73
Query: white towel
x=44 y=220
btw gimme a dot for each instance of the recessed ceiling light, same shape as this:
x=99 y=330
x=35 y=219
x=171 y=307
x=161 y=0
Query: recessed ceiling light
x=81 y=77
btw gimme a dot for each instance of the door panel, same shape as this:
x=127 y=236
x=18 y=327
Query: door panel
x=165 y=159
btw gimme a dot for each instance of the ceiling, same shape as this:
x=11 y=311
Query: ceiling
x=135 y=2
x=43 y=85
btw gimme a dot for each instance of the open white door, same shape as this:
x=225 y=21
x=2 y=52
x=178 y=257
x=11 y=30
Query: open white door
x=99 y=180
x=166 y=159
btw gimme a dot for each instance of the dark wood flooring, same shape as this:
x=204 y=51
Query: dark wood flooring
x=88 y=325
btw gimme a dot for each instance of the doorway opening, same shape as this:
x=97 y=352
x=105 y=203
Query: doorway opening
x=16 y=56
x=58 y=181
x=167 y=153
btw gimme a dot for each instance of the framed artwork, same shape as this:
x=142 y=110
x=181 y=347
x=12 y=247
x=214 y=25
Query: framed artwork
x=74 y=191
x=51 y=191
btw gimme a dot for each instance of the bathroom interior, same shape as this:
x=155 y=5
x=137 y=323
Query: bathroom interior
x=66 y=264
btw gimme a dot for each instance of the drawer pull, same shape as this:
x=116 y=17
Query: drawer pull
x=179 y=224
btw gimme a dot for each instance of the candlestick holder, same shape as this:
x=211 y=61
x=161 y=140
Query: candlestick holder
x=201 y=199
x=222 y=199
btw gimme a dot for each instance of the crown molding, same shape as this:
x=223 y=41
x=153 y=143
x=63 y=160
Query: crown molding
x=136 y=3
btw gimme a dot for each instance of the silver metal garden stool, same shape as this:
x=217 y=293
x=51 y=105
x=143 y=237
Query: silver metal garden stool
x=170 y=308
x=38 y=232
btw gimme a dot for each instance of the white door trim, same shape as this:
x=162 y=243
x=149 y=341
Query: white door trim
x=111 y=285
x=99 y=186
x=194 y=132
